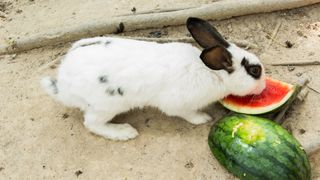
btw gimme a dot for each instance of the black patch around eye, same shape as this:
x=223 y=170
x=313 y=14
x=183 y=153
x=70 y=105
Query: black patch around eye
x=253 y=70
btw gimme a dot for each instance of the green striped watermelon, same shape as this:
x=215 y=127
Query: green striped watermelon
x=274 y=96
x=256 y=148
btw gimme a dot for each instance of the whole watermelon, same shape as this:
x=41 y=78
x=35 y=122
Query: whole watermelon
x=256 y=148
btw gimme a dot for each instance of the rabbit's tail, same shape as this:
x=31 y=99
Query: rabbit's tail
x=50 y=86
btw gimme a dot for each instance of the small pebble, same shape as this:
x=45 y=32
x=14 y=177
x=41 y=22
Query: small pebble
x=299 y=74
x=189 y=165
x=288 y=44
x=259 y=25
x=53 y=66
x=291 y=68
x=267 y=71
x=19 y=11
x=156 y=34
x=3 y=15
x=300 y=33
x=311 y=53
x=65 y=116
x=146 y=122
x=78 y=173
x=229 y=28
x=13 y=56
x=302 y=131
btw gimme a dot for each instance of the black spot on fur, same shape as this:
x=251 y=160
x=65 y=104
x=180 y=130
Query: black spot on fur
x=103 y=79
x=120 y=91
x=110 y=91
x=54 y=86
x=254 y=70
x=90 y=43
x=107 y=43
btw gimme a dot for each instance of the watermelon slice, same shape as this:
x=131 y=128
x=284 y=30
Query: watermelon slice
x=276 y=94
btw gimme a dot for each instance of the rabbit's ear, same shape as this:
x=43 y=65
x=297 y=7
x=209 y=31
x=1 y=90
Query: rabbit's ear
x=205 y=34
x=217 y=58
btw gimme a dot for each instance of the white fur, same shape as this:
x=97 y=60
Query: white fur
x=168 y=76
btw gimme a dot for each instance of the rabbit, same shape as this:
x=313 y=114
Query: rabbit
x=106 y=76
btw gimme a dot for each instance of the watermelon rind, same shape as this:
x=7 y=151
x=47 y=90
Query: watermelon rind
x=263 y=110
x=256 y=148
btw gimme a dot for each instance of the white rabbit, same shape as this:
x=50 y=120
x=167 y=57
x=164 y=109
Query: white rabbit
x=105 y=76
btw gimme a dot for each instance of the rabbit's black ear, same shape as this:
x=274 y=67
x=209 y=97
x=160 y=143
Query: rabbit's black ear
x=205 y=34
x=217 y=58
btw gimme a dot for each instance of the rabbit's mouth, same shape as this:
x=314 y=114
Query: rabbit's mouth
x=260 y=87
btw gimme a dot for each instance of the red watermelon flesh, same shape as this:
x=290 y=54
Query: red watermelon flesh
x=273 y=96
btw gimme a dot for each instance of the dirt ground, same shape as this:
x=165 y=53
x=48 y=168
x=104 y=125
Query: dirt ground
x=42 y=139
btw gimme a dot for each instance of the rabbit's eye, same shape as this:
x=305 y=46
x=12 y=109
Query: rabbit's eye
x=255 y=71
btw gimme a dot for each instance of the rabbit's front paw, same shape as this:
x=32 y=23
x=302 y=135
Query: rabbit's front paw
x=123 y=132
x=197 y=118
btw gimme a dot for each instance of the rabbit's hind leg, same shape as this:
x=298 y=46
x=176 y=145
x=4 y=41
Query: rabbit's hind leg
x=98 y=123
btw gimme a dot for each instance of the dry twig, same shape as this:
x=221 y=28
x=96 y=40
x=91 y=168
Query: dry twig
x=274 y=33
x=308 y=63
x=314 y=90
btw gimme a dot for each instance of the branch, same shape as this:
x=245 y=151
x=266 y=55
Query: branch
x=214 y=11
x=309 y=63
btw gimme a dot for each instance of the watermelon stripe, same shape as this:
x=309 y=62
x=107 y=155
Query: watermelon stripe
x=290 y=173
x=301 y=163
x=285 y=161
x=242 y=168
x=293 y=148
x=297 y=164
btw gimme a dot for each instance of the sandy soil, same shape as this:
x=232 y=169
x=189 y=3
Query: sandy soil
x=42 y=139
